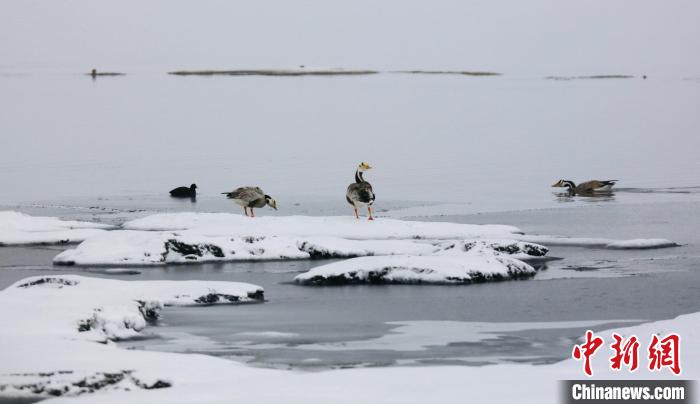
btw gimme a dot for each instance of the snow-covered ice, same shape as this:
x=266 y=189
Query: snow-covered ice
x=129 y=247
x=49 y=357
x=206 y=237
x=633 y=244
x=100 y=309
x=481 y=266
x=641 y=244
x=19 y=229
x=334 y=226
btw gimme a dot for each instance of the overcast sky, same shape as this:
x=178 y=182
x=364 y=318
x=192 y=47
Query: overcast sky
x=510 y=36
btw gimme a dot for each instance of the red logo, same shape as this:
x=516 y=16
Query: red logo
x=665 y=353
x=586 y=350
x=662 y=352
x=626 y=352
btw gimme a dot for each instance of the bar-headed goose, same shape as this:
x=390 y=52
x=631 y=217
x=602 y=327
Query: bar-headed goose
x=360 y=193
x=588 y=187
x=251 y=197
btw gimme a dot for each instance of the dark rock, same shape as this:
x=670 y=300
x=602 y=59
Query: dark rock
x=49 y=280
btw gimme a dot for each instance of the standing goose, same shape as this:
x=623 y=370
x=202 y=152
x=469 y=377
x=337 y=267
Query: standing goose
x=251 y=197
x=588 y=187
x=360 y=192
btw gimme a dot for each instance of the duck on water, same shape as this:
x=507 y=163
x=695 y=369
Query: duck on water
x=184 y=192
x=586 y=188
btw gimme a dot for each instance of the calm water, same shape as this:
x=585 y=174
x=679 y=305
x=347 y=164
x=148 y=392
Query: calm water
x=496 y=143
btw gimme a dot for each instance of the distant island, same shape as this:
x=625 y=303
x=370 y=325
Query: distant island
x=94 y=73
x=600 y=76
x=455 y=72
x=274 y=72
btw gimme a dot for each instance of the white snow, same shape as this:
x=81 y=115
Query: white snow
x=640 y=244
x=105 y=309
x=129 y=247
x=19 y=229
x=205 y=237
x=478 y=266
x=48 y=354
x=334 y=226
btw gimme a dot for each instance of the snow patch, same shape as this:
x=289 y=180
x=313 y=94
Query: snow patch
x=20 y=229
x=333 y=226
x=593 y=242
x=481 y=266
x=103 y=309
x=641 y=244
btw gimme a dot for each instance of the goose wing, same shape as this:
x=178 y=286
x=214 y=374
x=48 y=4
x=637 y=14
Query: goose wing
x=360 y=193
x=247 y=194
x=596 y=185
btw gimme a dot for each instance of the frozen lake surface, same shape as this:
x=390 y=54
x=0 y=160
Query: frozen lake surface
x=533 y=321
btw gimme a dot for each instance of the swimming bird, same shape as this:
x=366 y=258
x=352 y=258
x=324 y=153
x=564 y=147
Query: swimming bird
x=360 y=192
x=251 y=197
x=588 y=187
x=184 y=192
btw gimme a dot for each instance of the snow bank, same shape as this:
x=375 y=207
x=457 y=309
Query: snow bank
x=102 y=309
x=43 y=357
x=207 y=237
x=482 y=266
x=18 y=229
x=641 y=244
x=130 y=247
x=634 y=244
x=333 y=226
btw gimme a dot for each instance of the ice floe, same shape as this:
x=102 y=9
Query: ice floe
x=102 y=309
x=476 y=267
x=383 y=251
x=20 y=229
x=206 y=237
x=593 y=242
x=44 y=356
x=333 y=226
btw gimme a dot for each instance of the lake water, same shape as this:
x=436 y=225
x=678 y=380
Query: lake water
x=463 y=149
x=496 y=143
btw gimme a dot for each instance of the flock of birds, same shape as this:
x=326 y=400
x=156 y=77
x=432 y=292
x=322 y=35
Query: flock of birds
x=360 y=194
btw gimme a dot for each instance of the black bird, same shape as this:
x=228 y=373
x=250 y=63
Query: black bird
x=184 y=192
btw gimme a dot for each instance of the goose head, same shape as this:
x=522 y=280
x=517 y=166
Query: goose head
x=363 y=167
x=564 y=183
x=271 y=202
